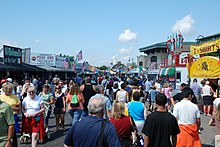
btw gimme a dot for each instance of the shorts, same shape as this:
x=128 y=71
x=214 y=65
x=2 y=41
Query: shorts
x=58 y=111
x=199 y=98
x=208 y=100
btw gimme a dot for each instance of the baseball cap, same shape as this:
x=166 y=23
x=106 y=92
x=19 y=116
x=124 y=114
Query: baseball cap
x=3 y=81
x=9 y=80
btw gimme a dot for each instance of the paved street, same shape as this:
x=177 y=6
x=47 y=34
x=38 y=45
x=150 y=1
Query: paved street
x=206 y=136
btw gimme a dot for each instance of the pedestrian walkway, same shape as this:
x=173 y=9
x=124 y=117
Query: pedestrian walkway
x=57 y=138
x=207 y=135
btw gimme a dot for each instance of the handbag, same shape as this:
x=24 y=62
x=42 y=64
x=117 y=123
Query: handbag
x=137 y=142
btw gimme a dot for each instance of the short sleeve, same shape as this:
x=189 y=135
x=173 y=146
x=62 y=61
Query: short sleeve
x=147 y=126
x=9 y=116
x=17 y=100
x=40 y=101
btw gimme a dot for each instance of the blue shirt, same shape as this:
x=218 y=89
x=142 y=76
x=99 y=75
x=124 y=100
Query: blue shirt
x=86 y=133
x=153 y=93
x=136 y=110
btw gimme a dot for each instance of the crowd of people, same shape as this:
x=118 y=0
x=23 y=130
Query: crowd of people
x=107 y=111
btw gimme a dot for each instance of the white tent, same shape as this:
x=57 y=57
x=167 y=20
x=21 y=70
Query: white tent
x=137 y=70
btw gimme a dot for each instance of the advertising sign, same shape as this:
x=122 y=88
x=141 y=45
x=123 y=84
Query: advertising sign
x=183 y=59
x=43 y=59
x=207 y=47
x=12 y=55
x=205 y=67
x=59 y=61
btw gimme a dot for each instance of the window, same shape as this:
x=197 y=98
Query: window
x=141 y=63
x=153 y=59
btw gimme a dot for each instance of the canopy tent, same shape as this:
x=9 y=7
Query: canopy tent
x=170 y=71
x=205 y=67
x=137 y=70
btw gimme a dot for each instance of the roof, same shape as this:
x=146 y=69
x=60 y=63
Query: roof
x=7 y=67
x=23 y=67
x=161 y=45
x=50 y=68
x=201 y=38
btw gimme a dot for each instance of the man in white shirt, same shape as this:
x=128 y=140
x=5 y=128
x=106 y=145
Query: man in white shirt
x=188 y=116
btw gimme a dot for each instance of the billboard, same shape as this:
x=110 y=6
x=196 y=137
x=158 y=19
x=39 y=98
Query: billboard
x=42 y=59
x=12 y=55
x=59 y=61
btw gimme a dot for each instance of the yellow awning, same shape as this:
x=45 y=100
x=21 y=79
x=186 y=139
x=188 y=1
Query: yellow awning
x=205 y=67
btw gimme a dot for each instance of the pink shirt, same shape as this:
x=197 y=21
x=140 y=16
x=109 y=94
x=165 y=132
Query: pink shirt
x=166 y=91
x=80 y=100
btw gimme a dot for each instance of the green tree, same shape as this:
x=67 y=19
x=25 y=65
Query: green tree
x=103 y=67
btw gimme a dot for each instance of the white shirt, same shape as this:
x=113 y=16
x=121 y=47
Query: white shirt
x=206 y=90
x=31 y=106
x=186 y=112
x=216 y=102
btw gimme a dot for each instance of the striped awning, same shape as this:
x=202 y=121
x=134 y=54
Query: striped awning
x=167 y=71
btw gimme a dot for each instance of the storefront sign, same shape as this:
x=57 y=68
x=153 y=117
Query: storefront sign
x=12 y=54
x=207 y=47
x=59 y=61
x=183 y=59
x=153 y=71
x=43 y=59
x=205 y=67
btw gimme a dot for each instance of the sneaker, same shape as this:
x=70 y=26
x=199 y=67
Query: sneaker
x=209 y=115
x=205 y=114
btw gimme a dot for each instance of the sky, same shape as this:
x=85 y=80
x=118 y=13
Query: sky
x=105 y=31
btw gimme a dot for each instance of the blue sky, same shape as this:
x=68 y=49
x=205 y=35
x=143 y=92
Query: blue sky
x=106 y=31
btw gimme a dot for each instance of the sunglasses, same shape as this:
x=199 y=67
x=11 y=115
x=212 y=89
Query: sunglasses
x=31 y=92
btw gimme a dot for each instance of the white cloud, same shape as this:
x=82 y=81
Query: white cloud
x=127 y=36
x=185 y=25
x=37 y=41
x=123 y=50
x=7 y=42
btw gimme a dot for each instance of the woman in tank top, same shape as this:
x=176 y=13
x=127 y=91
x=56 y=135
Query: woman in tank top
x=122 y=95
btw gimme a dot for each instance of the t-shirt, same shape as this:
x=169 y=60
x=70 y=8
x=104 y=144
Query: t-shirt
x=136 y=110
x=186 y=112
x=153 y=94
x=6 y=119
x=12 y=99
x=123 y=126
x=46 y=98
x=31 y=106
x=86 y=133
x=159 y=126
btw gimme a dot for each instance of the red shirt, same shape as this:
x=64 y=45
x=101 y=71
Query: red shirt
x=123 y=126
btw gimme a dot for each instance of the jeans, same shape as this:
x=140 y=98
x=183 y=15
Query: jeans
x=75 y=114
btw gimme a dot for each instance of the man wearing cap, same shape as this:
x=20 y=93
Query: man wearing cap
x=197 y=92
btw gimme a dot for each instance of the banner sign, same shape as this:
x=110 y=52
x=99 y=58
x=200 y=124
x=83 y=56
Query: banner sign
x=12 y=54
x=43 y=59
x=59 y=61
x=207 y=47
x=183 y=58
x=205 y=67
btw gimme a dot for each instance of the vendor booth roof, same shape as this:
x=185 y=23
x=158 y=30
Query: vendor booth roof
x=205 y=67
x=7 y=67
x=24 y=67
x=170 y=71
x=50 y=68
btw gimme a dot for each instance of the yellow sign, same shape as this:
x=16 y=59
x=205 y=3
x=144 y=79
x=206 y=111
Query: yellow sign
x=205 y=67
x=207 y=47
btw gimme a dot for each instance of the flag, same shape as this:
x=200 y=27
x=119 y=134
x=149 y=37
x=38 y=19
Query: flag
x=74 y=66
x=83 y=67
x=66 y=63
x=79 y=56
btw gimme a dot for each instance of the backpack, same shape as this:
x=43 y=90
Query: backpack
x=74 y=102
